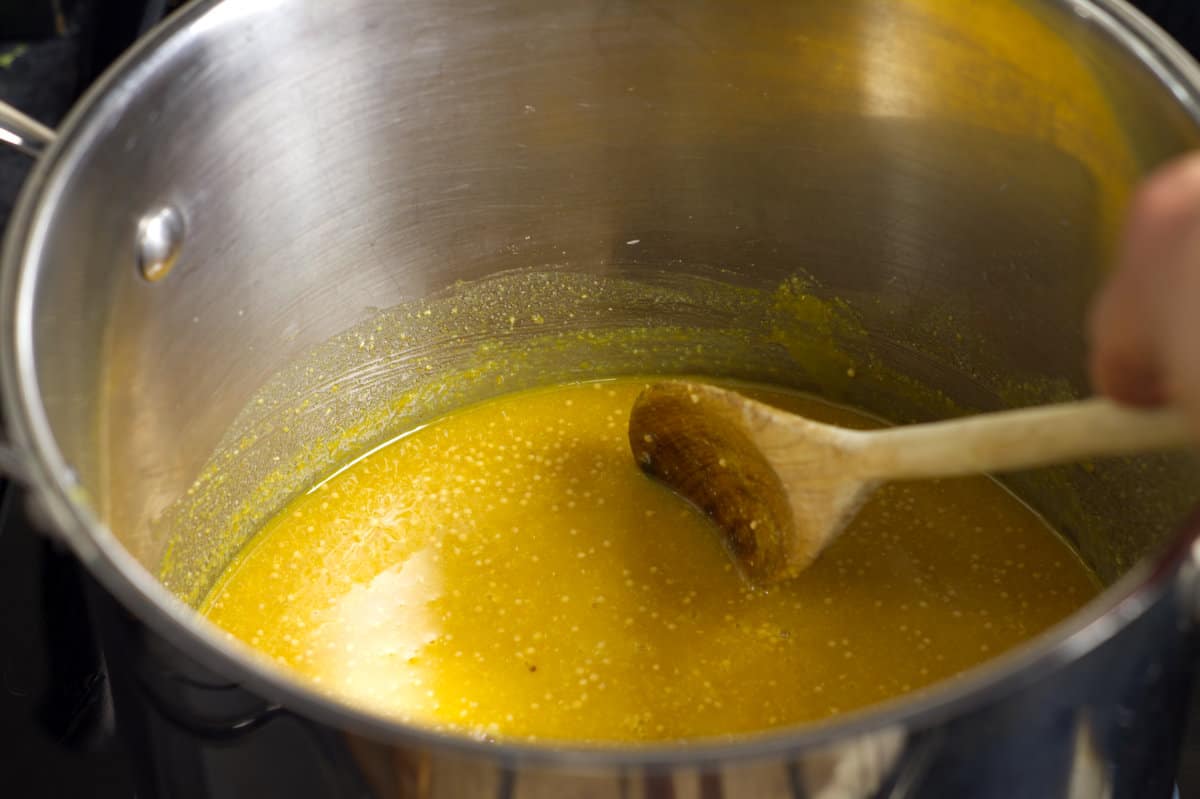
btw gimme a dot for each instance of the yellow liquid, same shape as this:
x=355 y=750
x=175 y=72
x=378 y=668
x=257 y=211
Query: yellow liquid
x=508 y=571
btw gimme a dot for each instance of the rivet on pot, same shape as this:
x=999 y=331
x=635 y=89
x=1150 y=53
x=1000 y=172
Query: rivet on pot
x=159 y=237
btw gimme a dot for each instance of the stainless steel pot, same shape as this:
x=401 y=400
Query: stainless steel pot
x=924 y=189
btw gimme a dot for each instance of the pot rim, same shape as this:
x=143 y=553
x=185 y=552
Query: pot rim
x=54 y=486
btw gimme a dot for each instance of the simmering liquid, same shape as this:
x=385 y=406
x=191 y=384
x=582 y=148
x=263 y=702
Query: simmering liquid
x=508 y=571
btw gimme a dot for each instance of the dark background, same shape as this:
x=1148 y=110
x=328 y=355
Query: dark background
x=53 y=716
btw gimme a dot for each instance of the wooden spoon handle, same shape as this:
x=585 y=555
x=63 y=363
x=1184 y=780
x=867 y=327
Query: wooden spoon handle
x=1019 y=439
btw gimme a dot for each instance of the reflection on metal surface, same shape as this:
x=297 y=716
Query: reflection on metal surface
x=1089 y=775
x=854 y=770
x=859 y=767
x=159 y=238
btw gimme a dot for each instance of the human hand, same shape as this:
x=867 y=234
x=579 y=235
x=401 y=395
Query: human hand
x=1145 y=323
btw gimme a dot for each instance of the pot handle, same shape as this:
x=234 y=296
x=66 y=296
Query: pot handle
x=22 y=132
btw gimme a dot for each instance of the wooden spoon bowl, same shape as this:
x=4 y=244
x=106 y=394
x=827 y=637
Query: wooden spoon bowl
x=781 y=487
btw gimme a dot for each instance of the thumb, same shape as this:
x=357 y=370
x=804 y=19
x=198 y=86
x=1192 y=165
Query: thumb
x=1153 y=296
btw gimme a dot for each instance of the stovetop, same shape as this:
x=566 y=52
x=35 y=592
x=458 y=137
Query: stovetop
x=54 y=723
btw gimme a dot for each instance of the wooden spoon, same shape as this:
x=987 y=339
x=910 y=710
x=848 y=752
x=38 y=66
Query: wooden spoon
x=781 y=487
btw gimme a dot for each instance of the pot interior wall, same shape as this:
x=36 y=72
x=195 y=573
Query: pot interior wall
x=922 y=192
